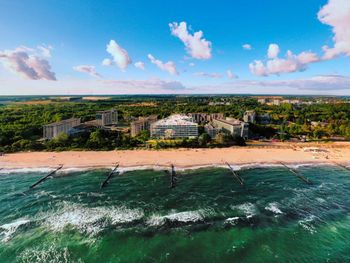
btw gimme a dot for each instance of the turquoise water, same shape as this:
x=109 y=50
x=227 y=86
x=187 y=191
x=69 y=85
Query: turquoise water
x=207 y=217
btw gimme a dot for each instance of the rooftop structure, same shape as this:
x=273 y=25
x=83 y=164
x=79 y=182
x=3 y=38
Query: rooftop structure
x=52 y=130
x=175 y=126
x=142 y=124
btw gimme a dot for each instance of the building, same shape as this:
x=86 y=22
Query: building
x=205 y=117
x=107 y=117
x=232 y=126
x=211 y=130
x=54 y=129
x=175 y=126
x=264 y=118
x=249 y=116
x=142 y=124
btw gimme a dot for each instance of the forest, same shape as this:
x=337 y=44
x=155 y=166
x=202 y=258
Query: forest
x=21 y=123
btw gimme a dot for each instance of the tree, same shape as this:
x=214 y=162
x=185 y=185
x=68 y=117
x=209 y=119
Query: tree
x=204 y=139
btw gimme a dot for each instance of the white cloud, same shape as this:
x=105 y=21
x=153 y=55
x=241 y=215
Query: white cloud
x=191 y=64
x=276 y=65
x=45 y=50
x=169 y=66
x=120 y=56
x=87 y=69
x=336 y=13
x=107 y=62
x=208 y=75
x=140 y=65
x=147 y=85
x=247 y=47
x=273 y=51
x=28 y=63
x=195 y=44
x=230 y=74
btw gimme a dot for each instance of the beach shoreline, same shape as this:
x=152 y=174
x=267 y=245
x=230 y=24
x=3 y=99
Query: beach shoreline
x=277 y=153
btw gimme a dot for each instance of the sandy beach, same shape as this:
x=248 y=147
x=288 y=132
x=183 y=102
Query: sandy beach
x=272 y=154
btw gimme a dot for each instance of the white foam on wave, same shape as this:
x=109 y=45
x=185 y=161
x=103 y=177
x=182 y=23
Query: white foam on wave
x=307 y=224
x=8 y=230
x=274 y=208
x=248 y=209
x=25 y=170
x=47 y=253
x=90 y=220
x=183 y=217
x=232 y=220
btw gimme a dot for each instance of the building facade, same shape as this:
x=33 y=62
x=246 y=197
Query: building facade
x=108 y=117
x=54 y=129
x=142 y=124
x=232 y=126
x=175 y=126
x=205 y=117
x=249 y=116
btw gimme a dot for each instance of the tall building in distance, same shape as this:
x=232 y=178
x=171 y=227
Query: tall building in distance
x=54 y=129
x=142 y=124
x=107 y=117
x=175 y=126
x=249 y=116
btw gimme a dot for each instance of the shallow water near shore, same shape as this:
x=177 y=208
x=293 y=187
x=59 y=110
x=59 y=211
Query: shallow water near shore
x=207 y=217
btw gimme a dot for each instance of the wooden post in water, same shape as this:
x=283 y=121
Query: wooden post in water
x=105 y=182
x=297 y=174
x=173 y=178
x=236 y=175
x=339 y=164
x=46 y=177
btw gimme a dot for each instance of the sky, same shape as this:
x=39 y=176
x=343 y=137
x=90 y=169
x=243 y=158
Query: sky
x=174 y=47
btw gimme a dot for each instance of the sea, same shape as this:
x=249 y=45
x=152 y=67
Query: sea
x=207 y=217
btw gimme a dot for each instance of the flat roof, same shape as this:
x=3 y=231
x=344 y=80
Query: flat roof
x=176 y=119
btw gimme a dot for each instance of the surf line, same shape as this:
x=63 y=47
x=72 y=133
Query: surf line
x=109 y=176
x=297 y=174
x=46 y=177
x=236 y=175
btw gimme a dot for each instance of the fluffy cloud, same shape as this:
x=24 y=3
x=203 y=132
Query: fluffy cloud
x=120 y=56
x=140 y=65
x=169 y=66
x=230 y=74
x=208 y=75
x=247 y=47
x=195 y=44
x=28 y=63
x=276 y=65
x=88 y=69
x=336 y=13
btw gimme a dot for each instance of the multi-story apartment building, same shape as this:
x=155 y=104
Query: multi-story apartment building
x=175 y=126
x=142 y=124
x=233 y=126
x=107 y=117
x=54 y=129
x=249 y=116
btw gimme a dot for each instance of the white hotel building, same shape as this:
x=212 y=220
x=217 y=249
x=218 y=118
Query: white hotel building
x=175 y=126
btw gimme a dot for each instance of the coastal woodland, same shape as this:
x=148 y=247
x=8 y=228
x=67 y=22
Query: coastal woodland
x=21 y=121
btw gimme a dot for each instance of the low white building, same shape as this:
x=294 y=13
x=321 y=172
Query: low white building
x=107 y=117
x=174 y=126
x=232 y=126
x=52 y=130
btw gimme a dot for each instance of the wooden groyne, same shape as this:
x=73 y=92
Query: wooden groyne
x=236 y=175
x=46 y=177
x=338 y=164
x=109 y=176
x=173 y=178
x=297 y=174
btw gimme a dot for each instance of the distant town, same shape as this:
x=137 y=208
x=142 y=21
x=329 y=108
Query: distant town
x=112 y=122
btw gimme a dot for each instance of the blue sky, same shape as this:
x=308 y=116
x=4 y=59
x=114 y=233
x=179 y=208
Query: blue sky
x=57 y=47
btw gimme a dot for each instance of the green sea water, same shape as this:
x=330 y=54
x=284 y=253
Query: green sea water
x=207 y=217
